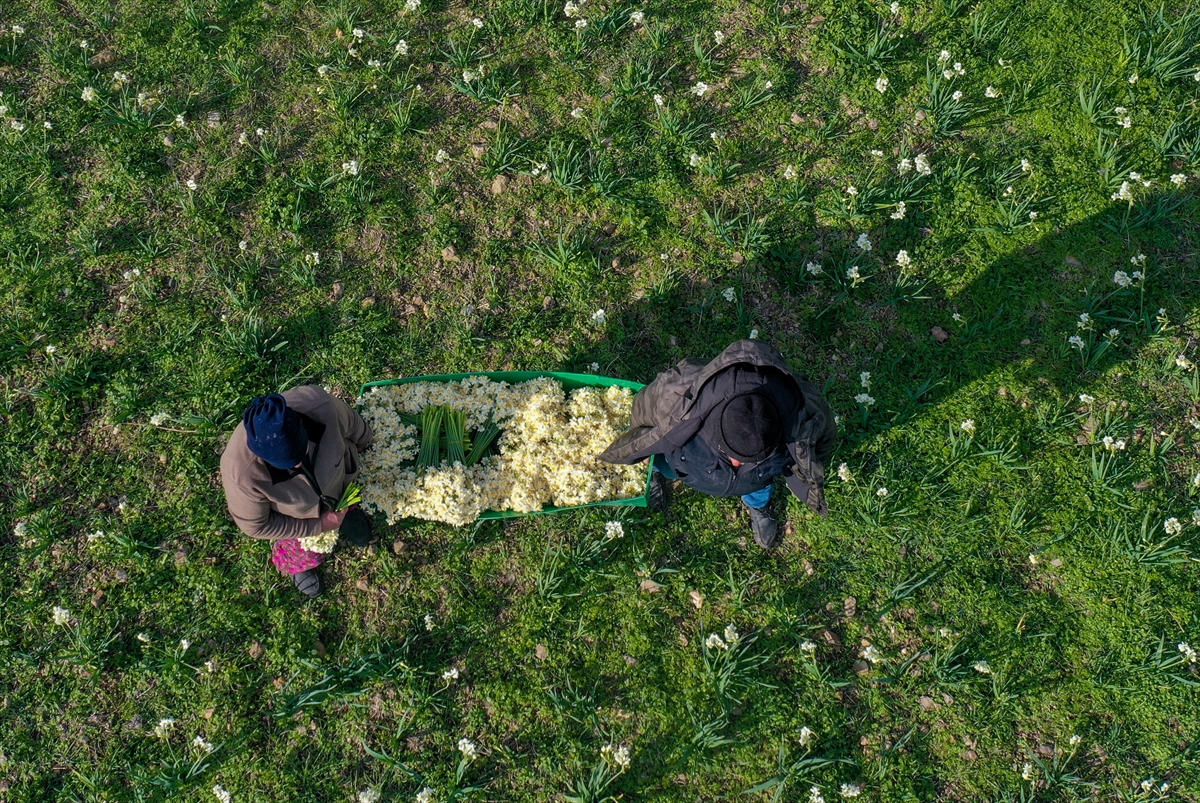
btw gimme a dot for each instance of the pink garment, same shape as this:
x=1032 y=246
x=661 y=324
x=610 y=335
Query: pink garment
x=291 y=558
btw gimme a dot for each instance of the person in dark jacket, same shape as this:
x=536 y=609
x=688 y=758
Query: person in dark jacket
x=729 y=427
x=284 y=469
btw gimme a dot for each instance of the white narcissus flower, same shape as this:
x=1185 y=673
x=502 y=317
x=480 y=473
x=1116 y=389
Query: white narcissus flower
x=613 y=530
x=851 y=790
x=441 y=156
x=467 y=748
x=807 y=735
x=882 y=492
x=637 y=17
x=715 y=642
x=968 y=426
x=789 y=172
x=814 y=268
x=88 y=94
x=991 y=92
x=450 y=674
x=729 y=294
x=881 y=84
x=164 y=726
x=864 y=242
x=222 y=794
x=843 y=473
x=864 y=399
x=61 y=616
x=903 y=259
x=982 y=667
x=901 y=211
x=402 y=48
x=1077 y=342
x=699 y=89
x=921 y=163
x=158 y=419
x=864 y=379
x=599 y=317
x=369 y=795
x=718 y=37
x=1172 y=526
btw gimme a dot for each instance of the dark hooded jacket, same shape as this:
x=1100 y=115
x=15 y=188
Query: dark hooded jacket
x=669 y=412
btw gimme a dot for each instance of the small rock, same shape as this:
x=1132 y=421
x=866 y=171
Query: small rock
x=540 y=652
x=181 y=556
x=399 y=547
x=1144 y=485
x=257 y=651
x=850 y=606
x=319 y=647
x=490 y=125
x=450 y=254
x=547 y=302
x=499 y=185
x=362 y=584
x=796 y=118
x=368 y=301
x=1026 y=342
x=169 y=141
x=99 y=595
x=697 y=599
x=970 y=755
x=861 y=667
x=926 y=702
x=650 y=587
x=630 y=660
x=920 y=115
x=122 y=576
x=208 y=713
x=477 y=150
x=1056 y=563
x=809 y=571
x=339 y=290
x=1073 y=262
x=683 y=640
x=830 y=638
x=616 y=263
x=939 y=334
x=738 y=258
x=947 y=699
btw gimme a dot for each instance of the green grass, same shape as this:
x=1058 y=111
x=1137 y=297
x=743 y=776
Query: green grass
x=134 y=328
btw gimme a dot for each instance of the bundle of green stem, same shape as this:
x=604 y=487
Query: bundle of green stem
x=431 y=433
x=456 y=434
x=351 y=496
x=444 y=431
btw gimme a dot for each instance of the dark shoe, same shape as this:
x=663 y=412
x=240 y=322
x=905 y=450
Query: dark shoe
x=660 y=492
x=765 y=526
x=356 y=527
x=308 y=583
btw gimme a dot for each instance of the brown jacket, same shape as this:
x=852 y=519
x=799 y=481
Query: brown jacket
x=664 y=413
x=267 y=502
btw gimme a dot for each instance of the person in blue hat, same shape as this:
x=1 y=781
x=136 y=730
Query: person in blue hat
x=284 y=469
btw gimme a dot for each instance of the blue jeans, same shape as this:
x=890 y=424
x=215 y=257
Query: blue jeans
x=757 y=500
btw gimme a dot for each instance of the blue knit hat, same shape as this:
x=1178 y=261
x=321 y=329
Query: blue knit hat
x=274 y=432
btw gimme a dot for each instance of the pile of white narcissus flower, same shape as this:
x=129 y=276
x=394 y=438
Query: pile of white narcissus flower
x=548 y=445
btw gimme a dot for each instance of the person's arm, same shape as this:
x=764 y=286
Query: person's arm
x=253 y=515
x=354 y=428
x=823 y=446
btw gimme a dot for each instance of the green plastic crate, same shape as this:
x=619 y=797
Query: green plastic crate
x=569 y=382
